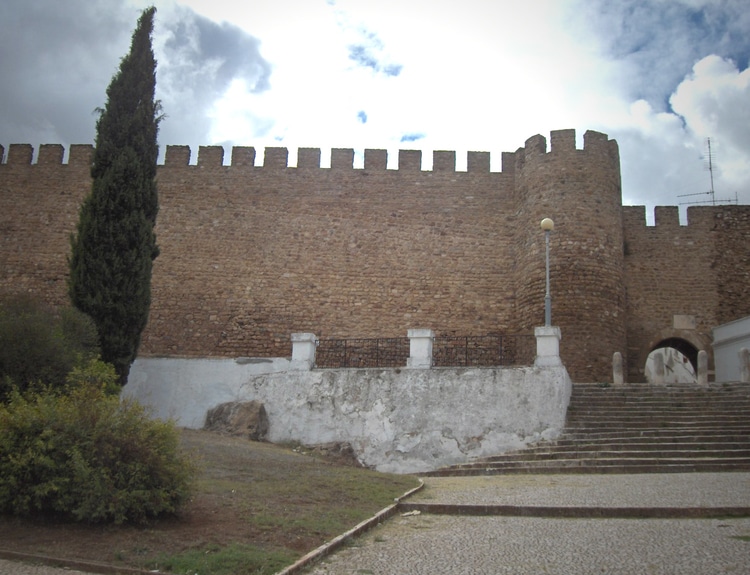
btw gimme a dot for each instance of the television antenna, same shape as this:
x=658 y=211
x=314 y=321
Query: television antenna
x=711 y=192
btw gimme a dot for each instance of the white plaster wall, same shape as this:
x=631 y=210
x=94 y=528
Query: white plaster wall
x=729 y=338
x=397 y=420
x=185 y=389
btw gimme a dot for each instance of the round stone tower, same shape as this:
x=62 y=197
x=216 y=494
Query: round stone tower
x=580 y=191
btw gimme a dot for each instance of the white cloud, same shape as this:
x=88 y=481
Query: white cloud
x=427 y=74
x=485 y=76
x=664 y=154
x=715 y=103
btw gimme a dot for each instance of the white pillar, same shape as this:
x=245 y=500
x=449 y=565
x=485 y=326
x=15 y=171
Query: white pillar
x=420 y=348
x=618 y=376
x=303 y=350
x=744 y=354
x=702 y=367
x=547 y=347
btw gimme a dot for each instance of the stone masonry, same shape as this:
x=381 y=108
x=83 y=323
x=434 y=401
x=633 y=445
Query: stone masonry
x=251 y=254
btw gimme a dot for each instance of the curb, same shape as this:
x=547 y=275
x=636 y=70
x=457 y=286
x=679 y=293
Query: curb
x=359 y=529
x=72 y=564
x=579 y=512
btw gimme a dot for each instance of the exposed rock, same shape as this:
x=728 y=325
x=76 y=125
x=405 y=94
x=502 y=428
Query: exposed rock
x=341 y=452
x=239 y=418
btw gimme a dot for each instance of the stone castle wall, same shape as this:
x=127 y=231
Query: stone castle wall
x=250 y=254
x=682 y=281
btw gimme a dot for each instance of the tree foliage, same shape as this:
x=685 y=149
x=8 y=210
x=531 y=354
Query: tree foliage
x=114 y=245
x=39 y=344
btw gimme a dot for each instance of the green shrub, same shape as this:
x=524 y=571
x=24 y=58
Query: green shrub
x=41 y=344
x=95 y=373
x=85 y=455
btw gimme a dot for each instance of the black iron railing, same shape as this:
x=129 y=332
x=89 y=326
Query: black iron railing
x=483 y=350
x=374 y=352
x=447 y=351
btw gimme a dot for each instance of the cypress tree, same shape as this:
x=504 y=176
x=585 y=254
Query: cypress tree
x=114 y=245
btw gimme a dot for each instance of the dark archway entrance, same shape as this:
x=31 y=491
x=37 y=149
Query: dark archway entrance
x=679 y=359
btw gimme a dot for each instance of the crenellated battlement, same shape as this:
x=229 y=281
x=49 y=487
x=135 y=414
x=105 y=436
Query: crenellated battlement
x=667 y=218
x=273 y=158
x=258 y=243
x=277 y=158
x=49 y=155
x=596 y=146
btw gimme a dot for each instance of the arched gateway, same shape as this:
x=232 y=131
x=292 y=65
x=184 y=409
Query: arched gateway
x=672 y=356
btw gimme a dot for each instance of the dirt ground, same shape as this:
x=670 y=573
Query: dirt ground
x=271 y=496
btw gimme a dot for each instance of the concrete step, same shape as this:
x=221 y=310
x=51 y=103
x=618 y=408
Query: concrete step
x=659 y=418
x=667 y=403
x=608 y=454
x=715 y=399
x=645 y=388
x=682 y=399
x=657 y=434
x=680 y=402
x=691 y=424
x=691 y=466
x=640 y=465
x=732 y=411
x=638 y=429
x=635 y=445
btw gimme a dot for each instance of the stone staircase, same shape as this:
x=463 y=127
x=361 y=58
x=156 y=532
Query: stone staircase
x=637 y=428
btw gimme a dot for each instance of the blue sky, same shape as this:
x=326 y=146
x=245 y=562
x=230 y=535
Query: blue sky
x=660 y=76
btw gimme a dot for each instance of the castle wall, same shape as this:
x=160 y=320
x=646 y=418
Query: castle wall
x=38 y=211
x=731 y=228
x=580 y=191
x=250 y=254
x=699 y=271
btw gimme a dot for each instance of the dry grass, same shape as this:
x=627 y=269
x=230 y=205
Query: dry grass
x=257 y=507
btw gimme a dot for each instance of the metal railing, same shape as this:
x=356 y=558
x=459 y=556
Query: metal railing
x=372 y=352
x=447 y=351
x=483 y=350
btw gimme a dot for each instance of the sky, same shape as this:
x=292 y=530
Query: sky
x=662 y=77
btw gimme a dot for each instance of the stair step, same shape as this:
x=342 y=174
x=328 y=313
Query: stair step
x=691 y=467
x=664 y=433
x=627 y=459
x=592 y=426
x=536 y=451
x=638 y=429
x=618 y=454
x=656 y=435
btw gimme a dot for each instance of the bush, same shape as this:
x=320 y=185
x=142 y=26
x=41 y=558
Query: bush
x=95 y=374
x=85 y=455
x=40 y=344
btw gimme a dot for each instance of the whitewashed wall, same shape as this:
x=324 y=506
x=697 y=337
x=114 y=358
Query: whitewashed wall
x=729 y=339
x=397 y=420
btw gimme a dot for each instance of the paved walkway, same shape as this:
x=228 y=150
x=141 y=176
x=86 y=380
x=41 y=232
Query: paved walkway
x=437 y=544
x=460 y=544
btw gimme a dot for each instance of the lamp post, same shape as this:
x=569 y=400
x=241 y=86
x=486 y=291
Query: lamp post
x=547 y=225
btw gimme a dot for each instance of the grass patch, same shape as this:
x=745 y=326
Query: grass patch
x=255 y=508
x=235 y=559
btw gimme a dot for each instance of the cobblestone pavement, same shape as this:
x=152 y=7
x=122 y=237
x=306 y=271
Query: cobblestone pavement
x=608 y=490
x=457 y=545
